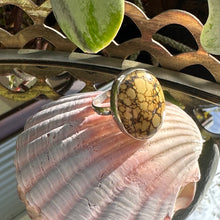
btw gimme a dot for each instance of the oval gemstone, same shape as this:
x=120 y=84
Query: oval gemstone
x=140 y=104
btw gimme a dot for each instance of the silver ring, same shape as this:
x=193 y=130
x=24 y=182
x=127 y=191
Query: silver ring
x=136 y=102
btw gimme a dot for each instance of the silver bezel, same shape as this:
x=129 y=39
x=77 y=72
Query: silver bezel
x=114 y=99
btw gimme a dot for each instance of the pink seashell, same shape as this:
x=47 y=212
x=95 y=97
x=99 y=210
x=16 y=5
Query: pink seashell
x=74 y=164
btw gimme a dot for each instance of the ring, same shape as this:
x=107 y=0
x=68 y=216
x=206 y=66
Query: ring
x=136 y=102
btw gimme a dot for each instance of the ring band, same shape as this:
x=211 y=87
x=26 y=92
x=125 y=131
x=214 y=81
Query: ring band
x=98 y=101
x=136 y=102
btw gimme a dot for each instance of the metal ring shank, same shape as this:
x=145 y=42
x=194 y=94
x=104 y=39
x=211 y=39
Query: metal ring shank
x=98 y=101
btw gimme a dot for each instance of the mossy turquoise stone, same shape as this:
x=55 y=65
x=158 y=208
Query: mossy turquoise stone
x=140 y=104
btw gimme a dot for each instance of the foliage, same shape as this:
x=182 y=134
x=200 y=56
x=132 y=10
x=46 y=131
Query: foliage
x=91 y=25
x=210 y=34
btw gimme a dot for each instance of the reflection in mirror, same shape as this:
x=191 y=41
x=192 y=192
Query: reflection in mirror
x=17 y=80
x=209 y=118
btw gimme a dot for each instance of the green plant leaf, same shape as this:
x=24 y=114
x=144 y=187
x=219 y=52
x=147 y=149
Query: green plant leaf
x=210 y=36
x=89 y=24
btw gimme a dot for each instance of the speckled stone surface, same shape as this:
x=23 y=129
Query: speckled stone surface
x=141 y=104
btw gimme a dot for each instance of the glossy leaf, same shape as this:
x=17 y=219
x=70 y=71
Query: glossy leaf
x=210 y=39
x=91 y=25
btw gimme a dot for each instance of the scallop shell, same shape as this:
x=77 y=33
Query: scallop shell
x=72 y=163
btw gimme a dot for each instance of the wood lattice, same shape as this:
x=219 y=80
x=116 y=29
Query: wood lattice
x=148 y=27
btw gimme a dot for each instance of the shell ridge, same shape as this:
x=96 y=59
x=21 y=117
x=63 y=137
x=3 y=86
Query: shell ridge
x=155 y=162
x=165 y=141
x=102 y=166
x=70 y=98
x=70 y=138
x=67 y=159
x=182 y=114
x=171 y=165
x=93 y=167
x=42 y=143
x=48 y=113
x=37 y=167
x=159 y=155
x=178 y=129
x=103 y=184
x=58 y=120
x=174 y=120
x=185 y=160
x=189 y=147
x=153 y=190
x=176 y=111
